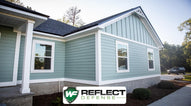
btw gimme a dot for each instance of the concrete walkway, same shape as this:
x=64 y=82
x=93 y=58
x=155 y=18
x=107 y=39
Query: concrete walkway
x=181 y=97
x=170 y=77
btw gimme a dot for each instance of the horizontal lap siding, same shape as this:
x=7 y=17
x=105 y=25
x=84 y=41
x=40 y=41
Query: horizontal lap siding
x=138 y=63
x=59 y=61
x=7 y=53
x=132 y=28
x=80 y=58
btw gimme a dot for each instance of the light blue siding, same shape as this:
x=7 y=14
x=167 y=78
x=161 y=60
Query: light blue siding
x=138 y=63
x=7 y=53
x=135 y=30
x=59 y=61
x=80 y=58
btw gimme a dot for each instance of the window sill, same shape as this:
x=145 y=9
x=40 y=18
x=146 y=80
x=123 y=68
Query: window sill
x=151 y=69
x=122 y=71
x=42 y=71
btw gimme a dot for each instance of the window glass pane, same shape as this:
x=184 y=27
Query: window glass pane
x=122 y=64
x=43 y=50
x=151 y=65
x=150 y=56
x=122 y=50
x=42 y=63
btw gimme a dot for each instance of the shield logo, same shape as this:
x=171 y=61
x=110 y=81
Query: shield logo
x=70 y=94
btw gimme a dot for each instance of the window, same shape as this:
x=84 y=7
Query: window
x=122 y=57
x=150 y=55
x=43 y=56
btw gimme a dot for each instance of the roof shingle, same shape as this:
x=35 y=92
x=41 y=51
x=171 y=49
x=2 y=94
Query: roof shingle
x=55 y=27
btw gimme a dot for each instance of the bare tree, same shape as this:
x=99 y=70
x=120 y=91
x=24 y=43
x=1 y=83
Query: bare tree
x=72 y=17
x=18 y=2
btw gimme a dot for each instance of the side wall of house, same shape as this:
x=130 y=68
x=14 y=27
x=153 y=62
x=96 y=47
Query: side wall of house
x=138 y=61
x=7 y=53
x=80 y=58
x=59 y=61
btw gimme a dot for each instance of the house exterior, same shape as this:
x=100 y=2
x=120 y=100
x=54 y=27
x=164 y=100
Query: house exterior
x=43 y=55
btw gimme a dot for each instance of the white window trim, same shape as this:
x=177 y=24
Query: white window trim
x=123 y=43
x=151 y=50
x=33 y=56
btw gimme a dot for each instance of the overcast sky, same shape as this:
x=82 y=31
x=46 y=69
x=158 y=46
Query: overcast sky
x=164 y=15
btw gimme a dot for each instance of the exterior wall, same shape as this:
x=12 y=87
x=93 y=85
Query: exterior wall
x=138 y=63
x=132 y=28
x=80 y=58
x=59 y=61
x=7 y=53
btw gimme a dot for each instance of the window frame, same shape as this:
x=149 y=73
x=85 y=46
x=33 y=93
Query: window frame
x=33 y=70
x=117 y=63
x=152 y=51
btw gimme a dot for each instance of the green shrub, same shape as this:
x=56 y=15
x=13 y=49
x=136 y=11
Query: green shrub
x=166 y=85
x=141 y=93
x=57 y=102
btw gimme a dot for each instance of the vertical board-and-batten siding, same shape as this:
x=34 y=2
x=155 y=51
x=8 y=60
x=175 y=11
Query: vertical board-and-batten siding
x=7 y=53
x=138 y=63
x=80 y=58
x=132 y=28
x=59 y=61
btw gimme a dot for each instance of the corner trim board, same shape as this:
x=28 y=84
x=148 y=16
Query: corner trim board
x=16 y=58
x=98 y=56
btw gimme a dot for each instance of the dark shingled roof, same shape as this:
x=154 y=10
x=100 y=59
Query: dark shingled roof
x=12 y=5
x=55 y=27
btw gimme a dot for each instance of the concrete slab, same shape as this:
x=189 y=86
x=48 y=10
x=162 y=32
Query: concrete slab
x=12 y=97
x=180 y=97
x=11 y=92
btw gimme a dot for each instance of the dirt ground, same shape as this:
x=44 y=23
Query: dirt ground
x=156 y=93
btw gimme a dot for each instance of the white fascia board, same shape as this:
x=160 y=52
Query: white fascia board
x=152 y=32
x=79 y=32
x=22 y=12
x=116 y=19
x=48 y=35
x=68 y=37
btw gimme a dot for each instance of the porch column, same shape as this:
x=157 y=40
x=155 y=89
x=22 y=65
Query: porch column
x=27 y=57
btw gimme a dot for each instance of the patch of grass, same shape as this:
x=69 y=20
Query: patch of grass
x=188 y=72
x=187 y=78
x=163 y=72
